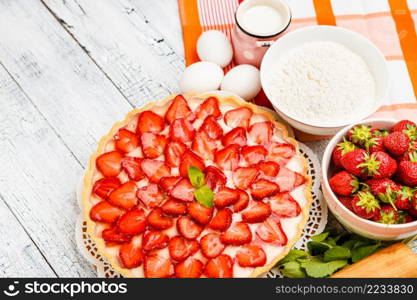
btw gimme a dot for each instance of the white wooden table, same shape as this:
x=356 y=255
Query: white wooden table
x=68 y=70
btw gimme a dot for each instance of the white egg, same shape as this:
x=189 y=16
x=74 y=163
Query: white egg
x=243 y=80
x=201 y=77
x=215 y=47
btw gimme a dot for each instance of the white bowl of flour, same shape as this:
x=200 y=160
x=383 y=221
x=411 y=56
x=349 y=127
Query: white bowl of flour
x=322 y=78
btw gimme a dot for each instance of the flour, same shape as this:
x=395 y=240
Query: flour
x=323 y=84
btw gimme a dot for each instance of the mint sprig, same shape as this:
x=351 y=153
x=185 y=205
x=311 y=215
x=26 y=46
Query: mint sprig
x=203 y=194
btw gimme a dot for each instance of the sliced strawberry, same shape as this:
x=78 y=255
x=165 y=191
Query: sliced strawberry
x=174 y=152
x=155 y=169
x=180 y=248
x=260 y=132
x=281 y=153
x=238 y=234
x=211 y=245
x=204 y=146
x=251 y=256
x=271 y=231
x=124 y=196
x=212 y=128
x=268 y=168
x=210 y=107
x=156 y=266
x=131 y=166
x=168 y=183
x=131 y=255
x=225 y=197
x=153 y=145
x=239 y=117
x=189 y=159
x=244 y=177
x=158 y=220
x=215 y=178
x=219 y=267
x=151 y=196
x=183 y=191
x=174 y=208
x=221 y=220
x=284 y=205
x=188 y=228
x=181 y=131
x=200 y=213
x=288 y=180
x=113 y=235
x=109 y=164
x=228 y=157
x=242 y=203
x=126 y=140
x=178 y=109
x=104 y=186
x=149 y=121
x=190 y=268
x=256 y=212
x=253 y=154
x=154 y=240
x=263 y=188
x=105 y=212
x=133 y=222
x=235 y=136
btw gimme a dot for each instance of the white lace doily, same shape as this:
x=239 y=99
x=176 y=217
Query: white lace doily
x=315 y=225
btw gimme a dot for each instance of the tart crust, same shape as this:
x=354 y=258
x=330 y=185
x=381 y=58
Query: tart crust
x=228 y=100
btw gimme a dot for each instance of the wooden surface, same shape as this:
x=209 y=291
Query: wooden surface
x=69 y=69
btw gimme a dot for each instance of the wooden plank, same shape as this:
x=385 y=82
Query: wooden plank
x=137 y=44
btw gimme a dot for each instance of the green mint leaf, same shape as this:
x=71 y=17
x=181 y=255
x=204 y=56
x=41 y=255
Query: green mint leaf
x=319 y=269
x=317 y=248
x=293 y=255
x=196 y=176
x=320 y=237
x=362 y=252
x=336 y=253
x=204 y=195
x=292 y=269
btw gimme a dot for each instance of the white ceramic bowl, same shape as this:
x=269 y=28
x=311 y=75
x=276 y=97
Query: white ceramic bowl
x=346 y=217
x=352 y=40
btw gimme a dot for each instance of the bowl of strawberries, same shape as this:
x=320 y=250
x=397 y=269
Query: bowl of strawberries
x=370 y=178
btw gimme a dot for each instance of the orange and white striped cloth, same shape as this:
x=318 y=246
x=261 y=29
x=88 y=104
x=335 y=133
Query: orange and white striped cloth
x=390 y=24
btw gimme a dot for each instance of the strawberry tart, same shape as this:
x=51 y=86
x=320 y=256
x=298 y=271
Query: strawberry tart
x=196 y=186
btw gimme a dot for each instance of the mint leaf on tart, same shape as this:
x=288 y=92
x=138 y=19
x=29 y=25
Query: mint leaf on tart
x=204 y=195
x=196 y=176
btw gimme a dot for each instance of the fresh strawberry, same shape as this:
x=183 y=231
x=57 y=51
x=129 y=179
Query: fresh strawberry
x=174 y=208
x=168 y=183
x=211 y=245
x=153 y=145
x=396 y=143
x=219 y=267
x=215 y=178
x=212 y=128
x=225 y=197
x=288 y=180
x=178 y=109
x=260 y=132
x=155 y=169
x=404 y=218
x=284 y=205
x=346 y=201
x=150 y=195
x=124 y=196
x=228 y=157
x=271 y=231
x=407 y=171
x=105 y=212
x=365 y=205
x=360 y=134
x=104 y=186
x=190 y=268
x=154 y=240
x=381 y=186
x=158 y=220
x=238 y=234
x=281 y=153
x=242 y=203
x=379 y=165
x=375 y=144
x=189 y=159
x=404 y=197
x=407 y=127
x=131 y=255
x=344 y=184
x=413 y=210
x=268 y=168
x=341 y=149
x=238 y=117
x=251 y=256
x=183 y=191
x=156 y=266
x=210 y=107
x=109 y=164
x=188 y=228
x=235 y=136
x=386 y=215
x=133 y=222
x=113 y=235
x=200 y=213
x=253 y=154
x=126 y=141
x=351 y=161
x=132 y=167
x=204 y=146
x=263 y=188
x=379 y=132
x=257 y=212
x=174 y=152
x=180 y=248
x=244 y=177
x=149 y=121
x=221 y=220
x=181 y=131
x=408 y=155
